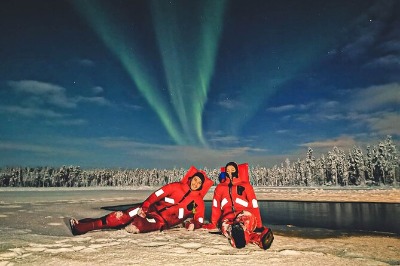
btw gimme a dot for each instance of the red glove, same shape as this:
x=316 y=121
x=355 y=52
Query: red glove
x=259 y=229
x=189 y=226
x=142 y=212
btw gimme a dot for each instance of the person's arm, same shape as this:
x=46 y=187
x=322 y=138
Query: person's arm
x=216 y=208
x=253 y=206
x=155 y=197
x=198 y=216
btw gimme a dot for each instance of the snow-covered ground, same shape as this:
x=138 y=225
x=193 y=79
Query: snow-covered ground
x=34 y=232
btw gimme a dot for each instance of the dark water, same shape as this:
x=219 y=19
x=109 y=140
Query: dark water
x=293 y=216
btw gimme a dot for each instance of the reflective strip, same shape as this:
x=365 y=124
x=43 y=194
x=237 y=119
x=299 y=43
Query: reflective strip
x=181 y=211
x=223 y=202
x=169 y=200
x=159 y=192
x=255 y=203
x=215 y=203
x=242 y=202
x=133 y=212
x=151 y=220
x=201 y=220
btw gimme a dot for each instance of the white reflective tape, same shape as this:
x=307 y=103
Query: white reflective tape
x=181 y=211
x=215 y=203
x=201 y=220
x=159 y=192
x=242 y=202
x=255 y=203
x=151 y=220
x=133 y=212
x=223 y=202
x=169 y=200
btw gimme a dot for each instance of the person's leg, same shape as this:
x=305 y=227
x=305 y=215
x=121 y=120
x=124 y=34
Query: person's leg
x=264 y=239
x=112 y=220
x=79 y=227
x=226 y=228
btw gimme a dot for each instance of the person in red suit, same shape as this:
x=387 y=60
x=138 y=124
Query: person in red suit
x=235 y=209
x=169 y=206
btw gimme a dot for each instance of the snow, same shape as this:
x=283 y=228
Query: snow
x=34 y=232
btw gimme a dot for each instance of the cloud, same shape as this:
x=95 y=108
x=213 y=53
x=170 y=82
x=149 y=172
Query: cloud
x=36 y=148
x=46 y=93
x=282 y=108
x=230 y=142
x=49 y=93
x=317 y=105
x=375 y=108
x=133 y=106
x=341 y=142
x=376 y=33
x=386 y=123
x=220 y=139
x=282 y=131
x=386 y=61
x=97 y=90
x=320 y=110
x=67 y=122
x=95 y=100
x=126 y=152
x=86 y=62
x=40 y=98
x=374 y=97
x=36 y=87
x=170 y=155
x=228 y=103
x=30 y=111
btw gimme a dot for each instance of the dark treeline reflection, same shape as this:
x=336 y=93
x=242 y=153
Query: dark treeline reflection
x=380 y=217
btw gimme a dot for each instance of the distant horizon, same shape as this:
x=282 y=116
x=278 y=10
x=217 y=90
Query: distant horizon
x=239 y=162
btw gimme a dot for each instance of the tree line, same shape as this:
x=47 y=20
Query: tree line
x=378 y=165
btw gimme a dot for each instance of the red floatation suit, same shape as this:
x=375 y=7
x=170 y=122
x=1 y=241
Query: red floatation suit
x=231 y=199
x=167 y=207
x=235 y=201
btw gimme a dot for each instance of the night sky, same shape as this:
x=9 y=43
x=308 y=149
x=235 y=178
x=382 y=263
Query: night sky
x=163 y=84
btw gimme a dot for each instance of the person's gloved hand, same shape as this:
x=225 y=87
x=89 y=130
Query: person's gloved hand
x=141 y=213
x=222 y=177
x=259 y=229
x=189 y=226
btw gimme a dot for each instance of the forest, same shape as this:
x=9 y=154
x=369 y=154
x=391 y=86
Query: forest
x=378 y=165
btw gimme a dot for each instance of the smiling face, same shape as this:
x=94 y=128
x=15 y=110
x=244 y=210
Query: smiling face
x=196 y=183
x=230 y=170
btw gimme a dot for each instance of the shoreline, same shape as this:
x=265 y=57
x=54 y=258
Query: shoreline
x=303 y=194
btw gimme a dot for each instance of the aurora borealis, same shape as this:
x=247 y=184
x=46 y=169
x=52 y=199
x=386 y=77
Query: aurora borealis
x=187 y=54
x=179 y=83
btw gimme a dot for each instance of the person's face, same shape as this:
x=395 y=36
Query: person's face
x=195 y=184
x=230 y=170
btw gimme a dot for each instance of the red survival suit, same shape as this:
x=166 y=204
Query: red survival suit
x=235 y=201
x=169 y=206
x=232 y=198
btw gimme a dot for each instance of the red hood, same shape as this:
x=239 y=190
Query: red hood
x=207 y=181
x=243 y=174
